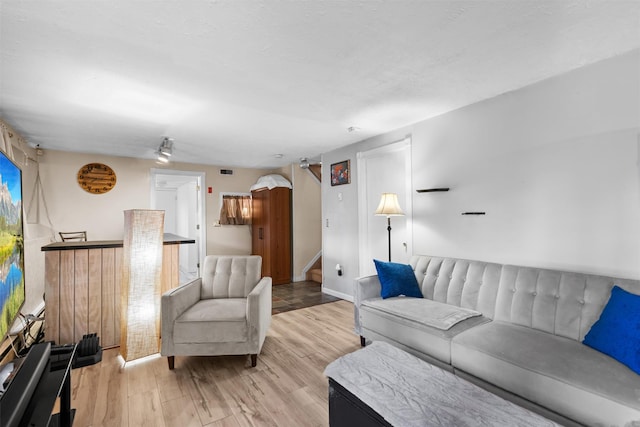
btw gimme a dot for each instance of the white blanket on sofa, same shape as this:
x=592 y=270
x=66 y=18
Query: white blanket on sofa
x=408 y=392
x=422 y=310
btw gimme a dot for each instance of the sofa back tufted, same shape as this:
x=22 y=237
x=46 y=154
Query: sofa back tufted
x=230 y=276
x=464 y=283
x=559 y=302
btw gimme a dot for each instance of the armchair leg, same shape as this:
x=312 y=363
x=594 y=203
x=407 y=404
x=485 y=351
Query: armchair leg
x=363 y=341
x=254 y=360
x=171 y=360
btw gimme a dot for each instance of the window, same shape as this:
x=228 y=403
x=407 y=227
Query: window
x=236 y=209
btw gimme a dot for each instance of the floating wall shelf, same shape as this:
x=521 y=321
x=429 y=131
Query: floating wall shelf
x=431 y=190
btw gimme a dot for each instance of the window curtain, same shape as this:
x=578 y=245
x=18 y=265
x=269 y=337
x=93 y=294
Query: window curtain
x=6 y=135
x=236 y=210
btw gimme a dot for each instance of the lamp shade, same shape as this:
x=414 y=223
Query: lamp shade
x=389 y=205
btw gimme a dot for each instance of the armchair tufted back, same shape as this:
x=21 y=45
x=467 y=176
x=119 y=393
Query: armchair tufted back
x=230 y=276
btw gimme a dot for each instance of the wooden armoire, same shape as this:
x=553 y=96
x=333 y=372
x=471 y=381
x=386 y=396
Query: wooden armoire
x=271 y=232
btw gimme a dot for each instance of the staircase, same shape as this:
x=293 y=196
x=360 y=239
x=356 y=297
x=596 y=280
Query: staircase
x=316 y=170
x=315 y=272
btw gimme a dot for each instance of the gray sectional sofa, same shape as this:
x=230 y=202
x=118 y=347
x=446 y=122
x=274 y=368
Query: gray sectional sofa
x=523 y=340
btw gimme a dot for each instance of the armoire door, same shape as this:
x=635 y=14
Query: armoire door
x=260 y=205
x=271 y=232
x=280 y=239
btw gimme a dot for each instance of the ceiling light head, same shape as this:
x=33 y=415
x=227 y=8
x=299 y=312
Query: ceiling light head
x=166 y=147
x=304 y=163
x=162 y=158
x=165 y=150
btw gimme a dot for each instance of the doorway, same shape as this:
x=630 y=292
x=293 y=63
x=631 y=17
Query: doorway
x=384 y=170
x=180 y=194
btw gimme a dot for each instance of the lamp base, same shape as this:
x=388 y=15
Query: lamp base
x=389 y=232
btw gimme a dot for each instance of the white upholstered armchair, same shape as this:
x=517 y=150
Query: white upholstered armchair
x=226 y=311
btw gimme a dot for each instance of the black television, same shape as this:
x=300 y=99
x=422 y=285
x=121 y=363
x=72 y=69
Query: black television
x=12 y=283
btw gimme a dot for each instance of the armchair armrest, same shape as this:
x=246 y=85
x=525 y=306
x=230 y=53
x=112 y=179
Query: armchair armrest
x=259 y=310
x=365 y=288
x=172 y=304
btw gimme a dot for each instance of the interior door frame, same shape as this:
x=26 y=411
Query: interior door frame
x=201 y=205
x=403 y=145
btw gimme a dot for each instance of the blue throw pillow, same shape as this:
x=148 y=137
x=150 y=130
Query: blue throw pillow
x=397 y=279
x=617 y=332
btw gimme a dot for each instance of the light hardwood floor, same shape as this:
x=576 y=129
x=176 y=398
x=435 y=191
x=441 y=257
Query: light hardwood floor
x=287 y=388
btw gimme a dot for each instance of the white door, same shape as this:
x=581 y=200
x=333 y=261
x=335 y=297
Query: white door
x=180 y=195
x=384 y=170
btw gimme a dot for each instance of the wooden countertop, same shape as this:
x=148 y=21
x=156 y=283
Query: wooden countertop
x=169 y=239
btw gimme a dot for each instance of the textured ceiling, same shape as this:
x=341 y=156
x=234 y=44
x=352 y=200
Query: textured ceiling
x=237 y=82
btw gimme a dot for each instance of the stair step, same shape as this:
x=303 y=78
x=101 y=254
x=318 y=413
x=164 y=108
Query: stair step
x=315 y=275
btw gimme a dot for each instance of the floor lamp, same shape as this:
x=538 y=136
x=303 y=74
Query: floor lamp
x=141 y=283
x=389 y=207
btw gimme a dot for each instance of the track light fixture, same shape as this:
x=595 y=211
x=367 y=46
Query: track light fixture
x=165 y=150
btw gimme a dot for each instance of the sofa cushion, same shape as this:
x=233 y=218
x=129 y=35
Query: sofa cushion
x=411 y=331
x=213 y=320
x=423 y=311
x=617 y=331
x=397 y=279
x=559 y=373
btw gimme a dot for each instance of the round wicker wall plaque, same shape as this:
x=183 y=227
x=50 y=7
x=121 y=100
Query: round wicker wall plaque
x=96 y=178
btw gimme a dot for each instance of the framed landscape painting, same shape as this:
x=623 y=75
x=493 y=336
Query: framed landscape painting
x=341 y=173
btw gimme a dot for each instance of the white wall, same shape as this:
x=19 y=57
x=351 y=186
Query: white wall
x=101 y=215
x=554 y=166
x=340 y=216
x=71 y=208
x=307 y=220
x=385 y=169
x=187 y=201
x=166 y=201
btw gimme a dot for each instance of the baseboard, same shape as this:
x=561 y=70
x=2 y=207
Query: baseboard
x=337 y=294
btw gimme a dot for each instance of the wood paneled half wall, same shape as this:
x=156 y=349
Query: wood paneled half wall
x=83 y=286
